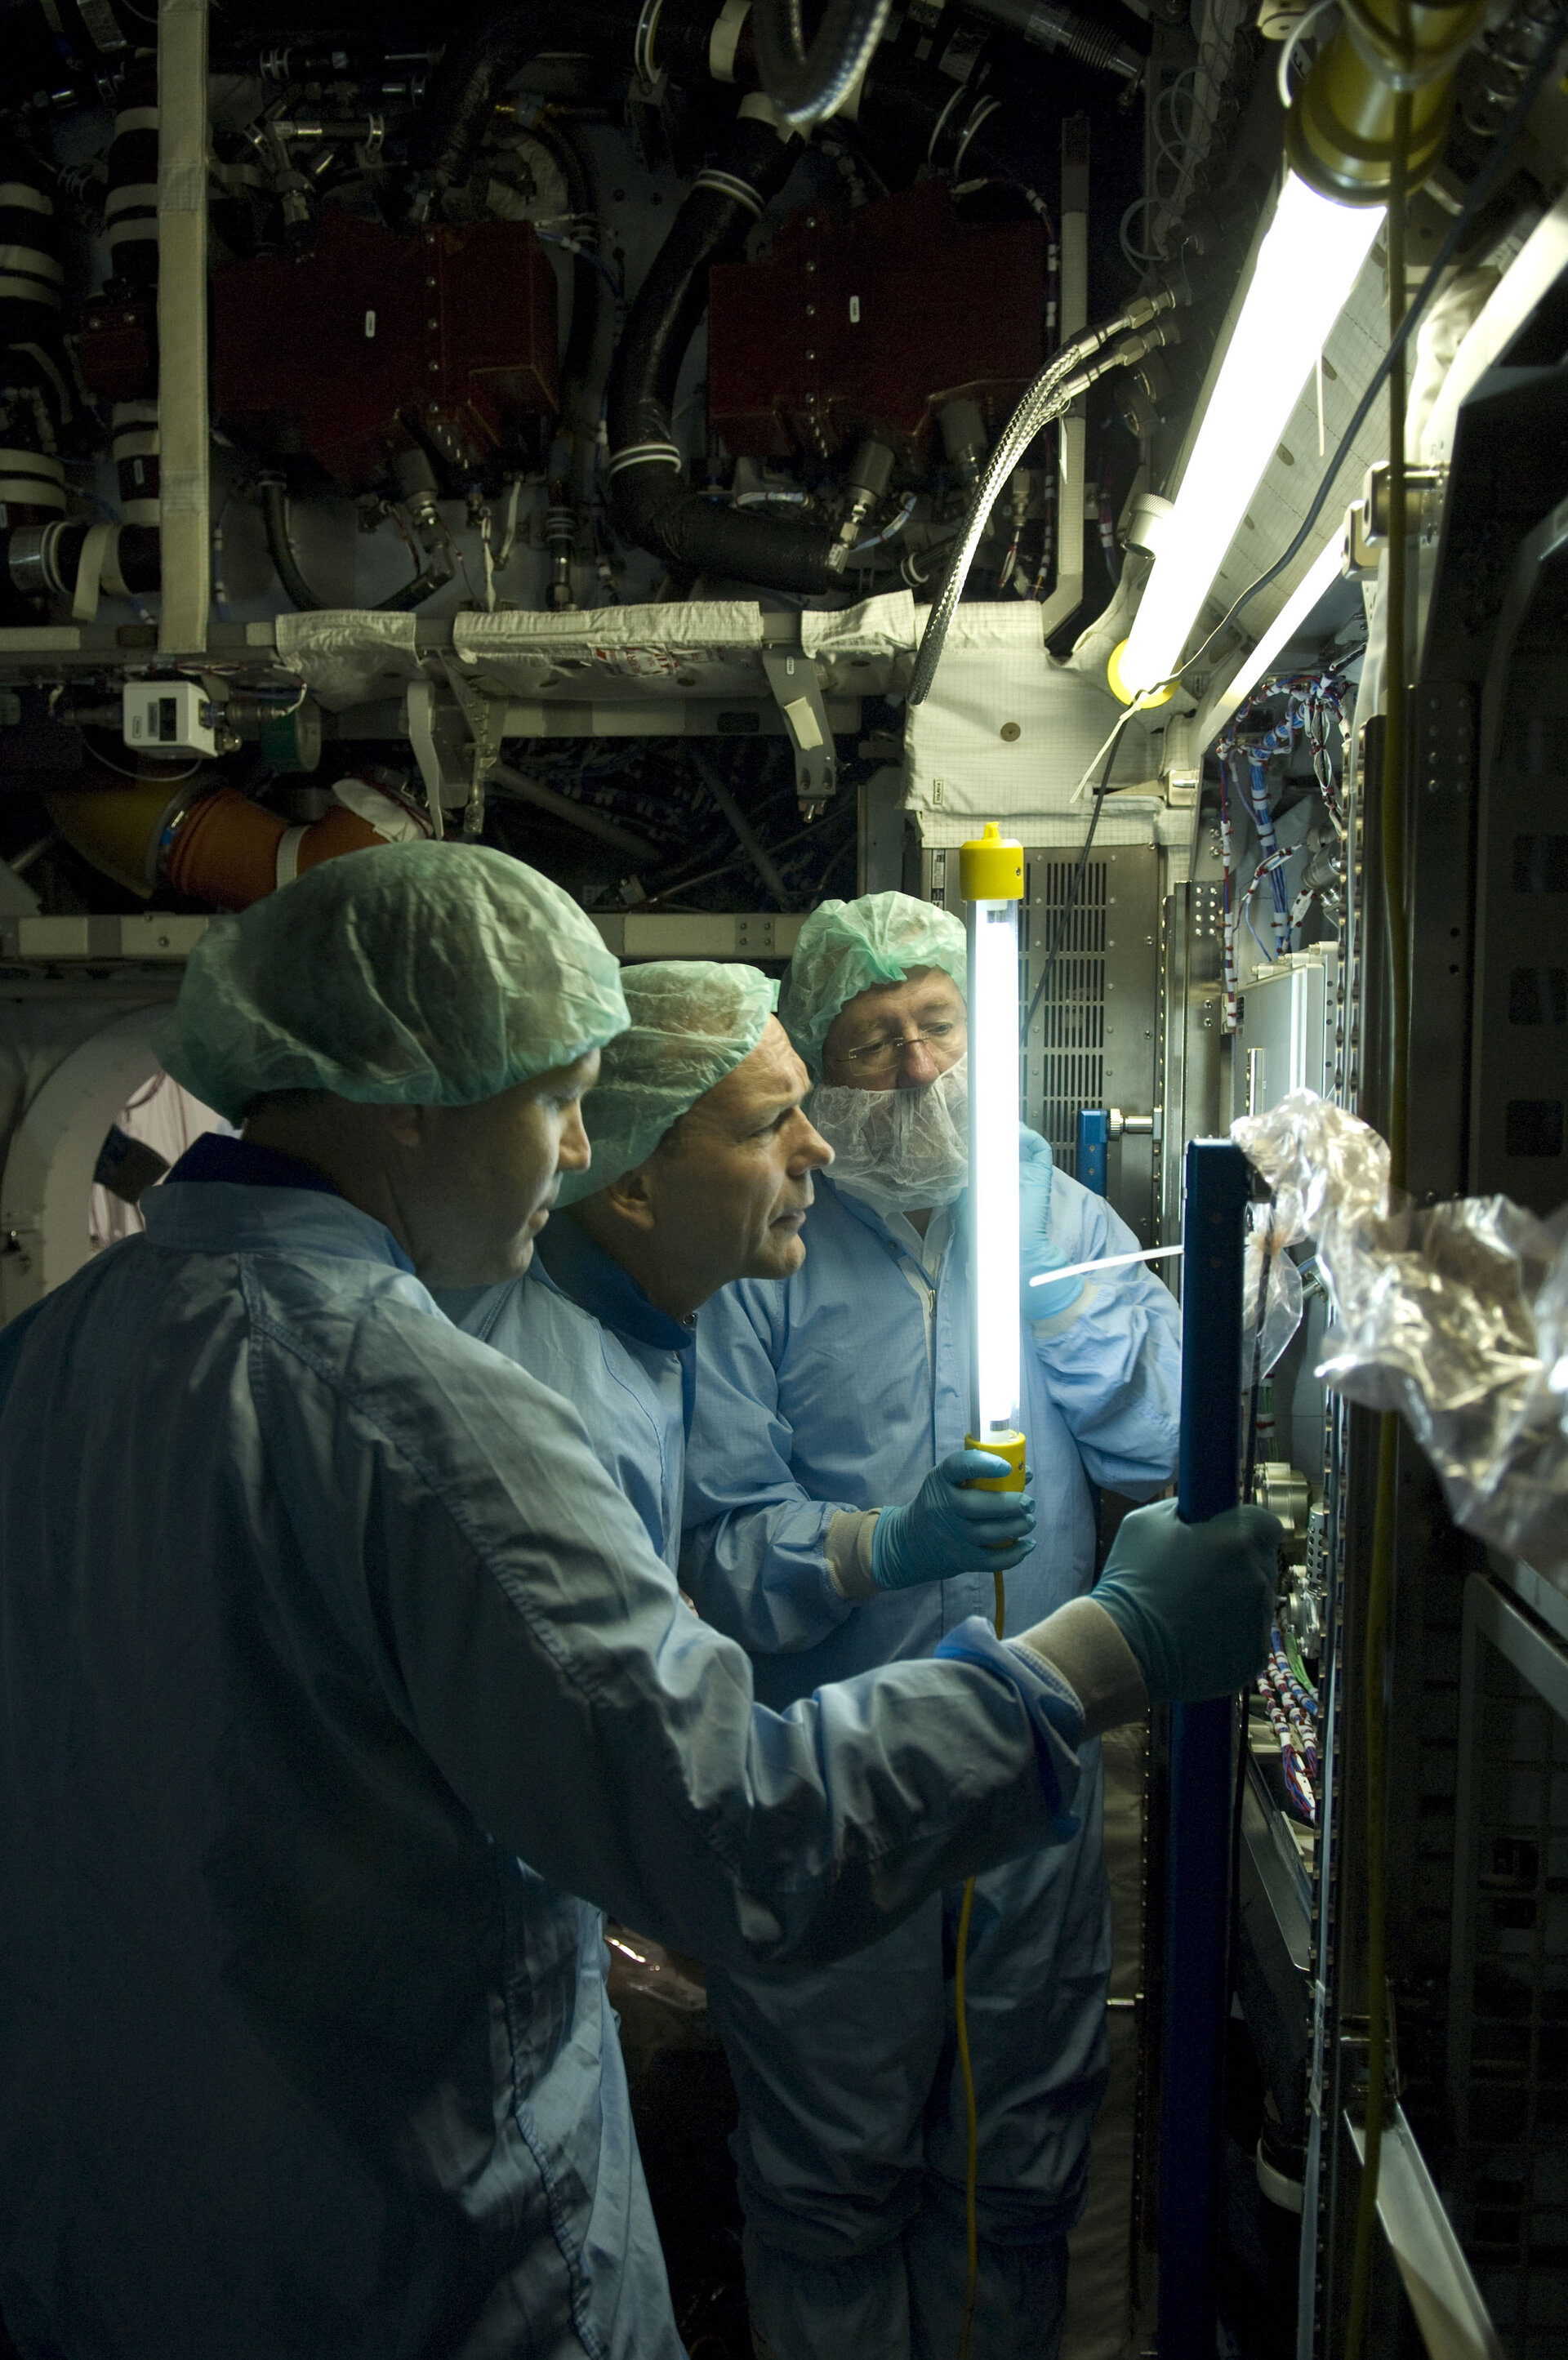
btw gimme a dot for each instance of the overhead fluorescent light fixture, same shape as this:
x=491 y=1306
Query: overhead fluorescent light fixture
x=1306 y=265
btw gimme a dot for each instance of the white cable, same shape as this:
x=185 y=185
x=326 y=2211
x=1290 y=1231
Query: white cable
x=1121 y=722
x=1105 y=1261
x=1319 y=8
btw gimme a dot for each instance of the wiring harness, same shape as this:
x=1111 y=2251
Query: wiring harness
x=1315 y=706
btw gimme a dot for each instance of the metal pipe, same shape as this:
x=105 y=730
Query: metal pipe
x=527 y=790
x=1048 y=26
x=183 y=426
x=746 y=835
x=1198 y=1878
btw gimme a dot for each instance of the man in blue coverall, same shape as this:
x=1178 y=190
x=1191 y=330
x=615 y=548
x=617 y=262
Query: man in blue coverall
x=701 y=1172
x=340 y=1690
x=818 y=1403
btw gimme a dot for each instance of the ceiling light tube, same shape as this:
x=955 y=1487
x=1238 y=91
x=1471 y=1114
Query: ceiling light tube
x=1320 y=575
x=1304 y=268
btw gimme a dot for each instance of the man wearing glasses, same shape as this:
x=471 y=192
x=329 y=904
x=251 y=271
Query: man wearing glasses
x=826 y=1531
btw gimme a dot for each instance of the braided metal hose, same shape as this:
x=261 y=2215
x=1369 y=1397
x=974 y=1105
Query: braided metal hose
x=1057 y=388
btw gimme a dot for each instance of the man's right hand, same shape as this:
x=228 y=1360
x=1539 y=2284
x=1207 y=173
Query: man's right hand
x=1195 y=1603
x=948 y=1529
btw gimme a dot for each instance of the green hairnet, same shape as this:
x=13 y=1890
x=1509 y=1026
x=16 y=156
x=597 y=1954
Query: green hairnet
x=848 y=947
x=692 y=1022
x=412 y=974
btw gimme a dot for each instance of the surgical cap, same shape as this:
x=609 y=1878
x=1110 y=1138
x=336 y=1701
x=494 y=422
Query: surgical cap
x=412 y=974
x=848 y=947
x=692 y=1022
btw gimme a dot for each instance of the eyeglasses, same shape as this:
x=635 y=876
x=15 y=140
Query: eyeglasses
x=881 y=1056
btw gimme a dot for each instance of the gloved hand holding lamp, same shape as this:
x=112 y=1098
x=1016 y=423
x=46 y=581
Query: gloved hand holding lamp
x=951 y=1528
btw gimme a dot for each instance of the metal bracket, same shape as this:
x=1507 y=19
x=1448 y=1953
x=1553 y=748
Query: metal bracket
x=485 y=718
x=798 y=691
x=456 y=742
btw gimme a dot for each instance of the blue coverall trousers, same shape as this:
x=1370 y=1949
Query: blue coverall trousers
x=851 y=2147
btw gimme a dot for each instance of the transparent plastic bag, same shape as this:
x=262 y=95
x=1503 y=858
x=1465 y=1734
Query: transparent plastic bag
x=1456 y=1316
x=1281 y=1292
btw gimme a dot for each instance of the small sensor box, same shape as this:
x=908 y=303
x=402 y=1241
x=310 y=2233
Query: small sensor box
x=169 y=717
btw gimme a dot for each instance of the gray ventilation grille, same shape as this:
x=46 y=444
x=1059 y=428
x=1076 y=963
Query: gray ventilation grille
x=1064 y=1066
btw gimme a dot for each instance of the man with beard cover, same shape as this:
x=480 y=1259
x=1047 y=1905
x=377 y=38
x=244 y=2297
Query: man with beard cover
x=818 y=1403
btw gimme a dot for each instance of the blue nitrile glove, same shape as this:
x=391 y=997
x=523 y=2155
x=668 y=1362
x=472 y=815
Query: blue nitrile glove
x=1195 y=1603
x=1037 y=1254
x=947 y=1530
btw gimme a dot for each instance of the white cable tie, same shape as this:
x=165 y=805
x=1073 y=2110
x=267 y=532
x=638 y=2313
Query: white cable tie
x=982 y=113
x=33 y=260
x=29 y=291
x=89 y=573
x=288 y=863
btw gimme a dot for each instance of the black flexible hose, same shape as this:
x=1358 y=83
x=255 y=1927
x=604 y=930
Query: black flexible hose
x=650 y=499
x=805 y=85
x=436 y=574
x=280 y=549
x=477 y=65
x=910 y=114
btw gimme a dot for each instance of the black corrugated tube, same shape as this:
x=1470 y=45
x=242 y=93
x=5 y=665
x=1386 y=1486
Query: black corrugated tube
x=650 y=499
x=478 y=63
x=804 y=84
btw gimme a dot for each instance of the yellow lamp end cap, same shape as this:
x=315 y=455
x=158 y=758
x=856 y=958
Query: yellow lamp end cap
x=1010 y=1445
x=1148 y=699
x=991 y=867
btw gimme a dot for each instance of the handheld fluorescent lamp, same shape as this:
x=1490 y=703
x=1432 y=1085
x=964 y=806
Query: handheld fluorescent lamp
x=990 y=880
x=1306 y=267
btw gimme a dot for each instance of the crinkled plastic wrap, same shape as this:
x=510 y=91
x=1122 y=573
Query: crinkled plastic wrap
x=1271 y=1278
x=1456 y=1317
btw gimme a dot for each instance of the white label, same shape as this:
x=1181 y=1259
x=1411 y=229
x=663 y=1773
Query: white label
x=854 y=310
x=369 y=323
x=803 y=722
